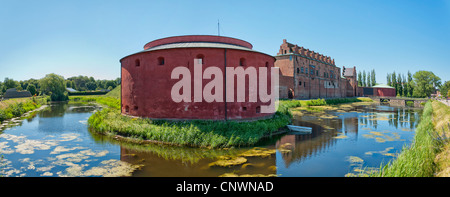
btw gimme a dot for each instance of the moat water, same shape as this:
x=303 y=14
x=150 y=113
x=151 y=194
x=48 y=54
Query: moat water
x=348 y=141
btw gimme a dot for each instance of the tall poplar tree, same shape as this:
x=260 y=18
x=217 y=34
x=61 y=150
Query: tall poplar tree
x=410 y=84
x=394 y=82
x=364 y=84
x=359 y=79
x=372 y=77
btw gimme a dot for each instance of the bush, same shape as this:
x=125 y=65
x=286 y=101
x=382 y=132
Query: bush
x=316 y=102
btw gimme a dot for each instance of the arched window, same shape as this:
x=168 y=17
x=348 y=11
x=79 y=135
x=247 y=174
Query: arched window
x=161 y=61
x=298 y=70
x=200 y=58
x=242 y=62
x=137 y=63
x=267 y=64
x=258 y=109
x=127 y=109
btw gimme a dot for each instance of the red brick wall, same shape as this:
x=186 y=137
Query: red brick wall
x=146 y=90
x=390 y=92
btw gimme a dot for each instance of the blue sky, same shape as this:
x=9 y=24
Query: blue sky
x=80 y=37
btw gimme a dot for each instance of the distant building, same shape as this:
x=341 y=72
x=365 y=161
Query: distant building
x=71 y=90
x=13 y=93
x=381 y=90
x=306 y=74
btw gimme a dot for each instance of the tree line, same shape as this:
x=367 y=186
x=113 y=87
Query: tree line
x=367 y=80
x=421 y=84
x=54 y=85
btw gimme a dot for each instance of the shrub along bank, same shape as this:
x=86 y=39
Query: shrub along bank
x=16 y=107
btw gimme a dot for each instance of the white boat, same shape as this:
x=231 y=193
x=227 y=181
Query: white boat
x=299 y=129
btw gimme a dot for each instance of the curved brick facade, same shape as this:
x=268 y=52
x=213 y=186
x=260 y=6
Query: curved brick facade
x=147 y=83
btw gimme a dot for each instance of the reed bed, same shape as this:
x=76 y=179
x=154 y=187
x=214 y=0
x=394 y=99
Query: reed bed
x=416 y=160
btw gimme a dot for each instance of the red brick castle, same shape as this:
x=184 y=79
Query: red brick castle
x=306 y=74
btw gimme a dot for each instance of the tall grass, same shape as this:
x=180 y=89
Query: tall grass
x=198 y=133
x=105 y=100
x=416 y=160
x=16 y=109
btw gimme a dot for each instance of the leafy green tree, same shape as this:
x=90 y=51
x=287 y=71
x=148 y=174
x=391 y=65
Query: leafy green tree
x=111 y=83
x=32 y=89
x=53 y=85
x=10 y=83
x=425 y=83
x=80 y=82
x=445 y=88
x=91 y=85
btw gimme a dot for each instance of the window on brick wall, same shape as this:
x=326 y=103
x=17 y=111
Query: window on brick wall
x=200 y=59
x=161 y=61
x=137 y=63
x=242 y=62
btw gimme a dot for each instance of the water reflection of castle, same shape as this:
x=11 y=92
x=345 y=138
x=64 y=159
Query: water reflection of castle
x=321 y=140
x=185 y=162
x=326 y=131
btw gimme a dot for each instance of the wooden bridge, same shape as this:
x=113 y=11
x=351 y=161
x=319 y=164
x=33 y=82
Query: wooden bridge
x=400 y=101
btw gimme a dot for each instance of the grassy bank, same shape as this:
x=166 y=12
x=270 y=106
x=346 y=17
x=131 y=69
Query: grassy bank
x=417 y=160
x=196 y=133
x=16 y=107
x=441 y=121
x=334 y=101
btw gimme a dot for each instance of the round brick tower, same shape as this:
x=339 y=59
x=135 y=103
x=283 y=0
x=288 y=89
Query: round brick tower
x=147 y=80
